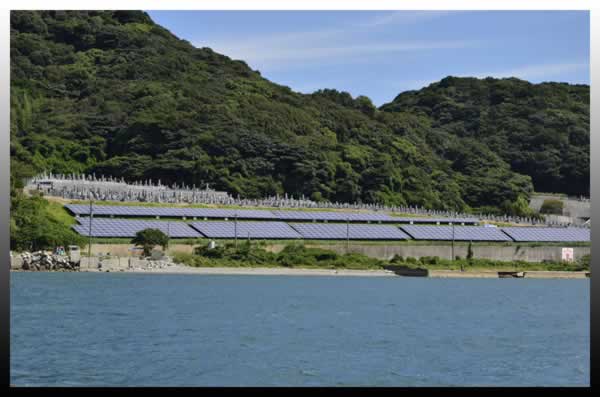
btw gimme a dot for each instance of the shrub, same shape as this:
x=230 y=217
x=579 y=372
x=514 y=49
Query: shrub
x=430 y=260
x=584 y=262
x=552 y=206
x=292 y=255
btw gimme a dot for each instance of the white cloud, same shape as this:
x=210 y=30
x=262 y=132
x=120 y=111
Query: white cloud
x=270 y=54
x=405 y=17
x=340 y=44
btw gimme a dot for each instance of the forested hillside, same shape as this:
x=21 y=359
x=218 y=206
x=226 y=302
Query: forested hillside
x=541 y=130
x=113 y=93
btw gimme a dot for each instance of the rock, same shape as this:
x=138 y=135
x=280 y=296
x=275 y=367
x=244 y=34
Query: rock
x=43 y=261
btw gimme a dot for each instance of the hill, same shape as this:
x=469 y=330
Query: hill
x=112 y=92
x=541 y=130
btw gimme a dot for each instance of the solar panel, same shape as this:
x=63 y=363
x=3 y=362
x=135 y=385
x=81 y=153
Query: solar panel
x=103 y=227
x=83 y=209
x=424 y=220
x=461 y=233
x=339 y=231
x=245 y=229
x=251 y=214
x=116 y=210
x=547 y=234
x=333 y=216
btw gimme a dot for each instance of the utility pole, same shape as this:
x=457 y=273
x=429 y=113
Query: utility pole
x=452 y=241
x=347 y=235
x=90 y=232
x=168 y=233
x=235 y=227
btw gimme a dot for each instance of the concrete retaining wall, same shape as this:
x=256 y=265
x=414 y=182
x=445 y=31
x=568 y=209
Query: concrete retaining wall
x=502 y=253
x=573 y=211
x=381 y=251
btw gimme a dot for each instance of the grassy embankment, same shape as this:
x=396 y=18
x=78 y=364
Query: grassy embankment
x=299 y=256
x=60 y=214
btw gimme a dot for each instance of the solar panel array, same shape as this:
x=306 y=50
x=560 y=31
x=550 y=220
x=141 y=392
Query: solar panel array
x=106 y=227
x=103 y=227
x=547 y=234
x=338 y=231
x=222 y=213
x=228 y=229
x=461 y=233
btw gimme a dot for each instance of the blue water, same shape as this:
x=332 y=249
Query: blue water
x=192 y=330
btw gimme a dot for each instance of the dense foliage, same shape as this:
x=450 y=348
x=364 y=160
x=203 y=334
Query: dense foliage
x=35 y=226
x=541 y=130
x=149 y=238
x=293 y=255
x=111 y=92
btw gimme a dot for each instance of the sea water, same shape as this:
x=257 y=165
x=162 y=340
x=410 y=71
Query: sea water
x=107 y=329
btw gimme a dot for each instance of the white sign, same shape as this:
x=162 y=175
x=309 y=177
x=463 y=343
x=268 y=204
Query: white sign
x=567 y=254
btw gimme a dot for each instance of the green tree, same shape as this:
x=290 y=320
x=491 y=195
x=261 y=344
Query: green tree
x=365 y=105
x=149 y=238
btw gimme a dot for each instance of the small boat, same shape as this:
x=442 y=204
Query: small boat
x=511 y=274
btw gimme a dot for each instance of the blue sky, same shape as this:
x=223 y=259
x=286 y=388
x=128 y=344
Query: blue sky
x=382 y=53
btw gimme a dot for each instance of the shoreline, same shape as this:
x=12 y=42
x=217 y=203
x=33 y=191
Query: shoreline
x=267 y=271
x=262 y=271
